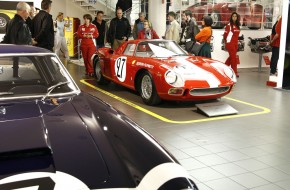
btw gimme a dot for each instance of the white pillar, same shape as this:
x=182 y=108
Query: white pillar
x=280 y=65
x=157 y=16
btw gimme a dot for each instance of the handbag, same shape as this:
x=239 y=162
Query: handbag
x=188 y=45
x=198 y=45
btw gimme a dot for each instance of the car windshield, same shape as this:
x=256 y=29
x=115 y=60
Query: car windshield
x=33 y=75
x=159 y=49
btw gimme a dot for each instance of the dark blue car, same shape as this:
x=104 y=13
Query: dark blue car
x=56 y=137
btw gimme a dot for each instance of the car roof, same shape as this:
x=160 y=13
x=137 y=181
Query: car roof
x=18 y=49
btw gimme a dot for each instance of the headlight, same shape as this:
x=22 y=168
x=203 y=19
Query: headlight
x=225 y=70
x=170 y=77
x=230 y=73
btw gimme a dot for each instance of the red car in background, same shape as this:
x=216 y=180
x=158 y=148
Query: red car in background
x=162 y=70
x=250 y=13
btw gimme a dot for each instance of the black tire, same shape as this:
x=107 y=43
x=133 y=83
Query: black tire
x=147 y=89
x=216 y=18
x=98 y=73
x=4 y=19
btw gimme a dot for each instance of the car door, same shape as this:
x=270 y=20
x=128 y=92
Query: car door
x=121 y=66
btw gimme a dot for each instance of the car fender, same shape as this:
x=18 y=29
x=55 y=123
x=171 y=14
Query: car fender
x=122 y=139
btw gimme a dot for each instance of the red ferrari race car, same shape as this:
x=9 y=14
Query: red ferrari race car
x=250 y=13
x=162 y=70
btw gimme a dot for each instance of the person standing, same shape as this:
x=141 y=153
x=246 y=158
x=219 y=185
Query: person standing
x=275 y=43
x=101 y=26
x=119 y=30
x=30 y=17
x=231 y=38
x=173 y=30
x=147 y=32
x=17 y=31
x=205 y=36
x=126 y=6
x=191 y=29
x=138 y=25
x=60 y=41
x=42 y=26
x=87 y=32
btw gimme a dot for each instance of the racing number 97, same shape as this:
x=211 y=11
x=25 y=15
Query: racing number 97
x=45 y=183
x=120 y=65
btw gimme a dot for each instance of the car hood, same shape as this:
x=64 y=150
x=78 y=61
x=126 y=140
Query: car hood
x=53 y=134
x=79 y=136
x=196 y=68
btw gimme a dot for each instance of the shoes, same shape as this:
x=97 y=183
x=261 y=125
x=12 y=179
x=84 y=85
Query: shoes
x=91 y=74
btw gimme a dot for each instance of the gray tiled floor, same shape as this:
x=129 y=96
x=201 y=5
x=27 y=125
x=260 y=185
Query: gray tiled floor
x=250 y=152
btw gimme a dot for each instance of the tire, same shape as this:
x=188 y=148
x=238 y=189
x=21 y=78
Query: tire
x=4 y=19
x=98 y=73
x=147 y=89
x=216 y=18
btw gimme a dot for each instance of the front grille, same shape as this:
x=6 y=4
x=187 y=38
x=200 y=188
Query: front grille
x=208 y=91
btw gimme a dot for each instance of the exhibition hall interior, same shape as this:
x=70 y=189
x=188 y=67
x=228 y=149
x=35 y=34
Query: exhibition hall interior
x=122 y=99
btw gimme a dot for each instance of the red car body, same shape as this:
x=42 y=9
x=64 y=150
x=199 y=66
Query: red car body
x=250 y=13
x=167 y=76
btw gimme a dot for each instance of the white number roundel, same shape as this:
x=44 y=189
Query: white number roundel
x=120 y=68
x=42 y=180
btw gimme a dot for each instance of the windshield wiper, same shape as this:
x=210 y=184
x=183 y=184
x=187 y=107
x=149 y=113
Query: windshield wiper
x=6 y=93
x=50 y=89
x=176 y=55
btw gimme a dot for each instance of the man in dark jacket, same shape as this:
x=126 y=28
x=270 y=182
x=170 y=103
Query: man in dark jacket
x=17 y=31
x=191 y=29
x=101 y=25
x=126 y=6
x=42 y=27
x=119 y=30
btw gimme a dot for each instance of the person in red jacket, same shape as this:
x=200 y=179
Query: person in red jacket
x=147 y=32
x=87 y=34
x=231 y=37
x=275 y=43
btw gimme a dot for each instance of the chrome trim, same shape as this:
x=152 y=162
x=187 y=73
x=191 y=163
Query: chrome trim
x=76 y=92
x=67 y=74
x=209 y=91
x=26 y=54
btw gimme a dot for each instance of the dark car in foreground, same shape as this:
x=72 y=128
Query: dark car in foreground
x=56 y=137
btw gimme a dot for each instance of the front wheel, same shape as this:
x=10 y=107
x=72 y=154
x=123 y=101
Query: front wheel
x=4 y=19
x=147 y=89
x=98 y=73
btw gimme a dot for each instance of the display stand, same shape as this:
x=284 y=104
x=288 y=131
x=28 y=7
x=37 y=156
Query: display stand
x=215 y=109
x=260 y=62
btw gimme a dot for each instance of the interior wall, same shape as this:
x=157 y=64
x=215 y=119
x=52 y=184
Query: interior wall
x=247 y=58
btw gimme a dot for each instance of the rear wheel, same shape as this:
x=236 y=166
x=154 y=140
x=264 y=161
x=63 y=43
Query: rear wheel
x=98 y=72
x=4 y=19
x=147 y=89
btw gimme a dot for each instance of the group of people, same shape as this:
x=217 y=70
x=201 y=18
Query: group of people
x=28 y=28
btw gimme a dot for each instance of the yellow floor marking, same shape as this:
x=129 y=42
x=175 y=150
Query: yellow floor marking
x=263 y=109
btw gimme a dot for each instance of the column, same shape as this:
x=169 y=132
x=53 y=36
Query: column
x=157 y=15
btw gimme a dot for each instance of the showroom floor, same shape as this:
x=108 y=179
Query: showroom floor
x=250 y=150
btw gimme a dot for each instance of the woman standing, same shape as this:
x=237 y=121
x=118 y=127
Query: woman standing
x=147 y=32
x=205 y=36
x=87 y=33
x=231 y=37
x=60 y=41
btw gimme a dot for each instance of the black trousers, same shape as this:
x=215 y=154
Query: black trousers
x=274 y=59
